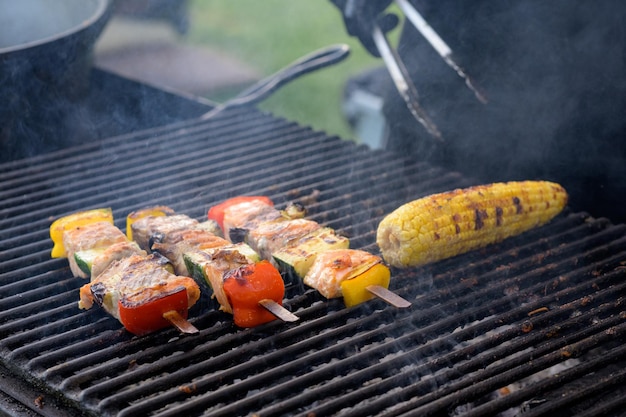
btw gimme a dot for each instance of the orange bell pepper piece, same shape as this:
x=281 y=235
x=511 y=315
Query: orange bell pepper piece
x=246 y=286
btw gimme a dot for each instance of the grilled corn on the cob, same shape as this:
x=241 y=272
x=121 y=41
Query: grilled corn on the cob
x=448 y=224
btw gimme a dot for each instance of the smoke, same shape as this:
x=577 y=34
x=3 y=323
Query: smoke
x=555 y=76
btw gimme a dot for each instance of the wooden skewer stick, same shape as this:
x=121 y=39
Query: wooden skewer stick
x=278 y=310
x=180 y=322
x=388 y=296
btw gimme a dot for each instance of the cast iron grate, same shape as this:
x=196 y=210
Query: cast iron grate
x=535 y=324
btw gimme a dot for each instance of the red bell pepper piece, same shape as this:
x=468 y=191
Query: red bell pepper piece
x=141 y=318
x=216 y=212
x=246 y=286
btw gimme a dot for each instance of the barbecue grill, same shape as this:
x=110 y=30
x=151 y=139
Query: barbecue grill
x=532 y=326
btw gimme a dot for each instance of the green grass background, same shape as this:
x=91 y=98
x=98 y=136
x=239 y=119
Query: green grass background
x=269 y=34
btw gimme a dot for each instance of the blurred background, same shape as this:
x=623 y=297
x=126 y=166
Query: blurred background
x=215 y=48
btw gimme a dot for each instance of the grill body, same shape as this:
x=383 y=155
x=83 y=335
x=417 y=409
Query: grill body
x=535 y=324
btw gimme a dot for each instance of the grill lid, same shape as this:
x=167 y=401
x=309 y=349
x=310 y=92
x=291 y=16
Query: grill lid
x=535 y=324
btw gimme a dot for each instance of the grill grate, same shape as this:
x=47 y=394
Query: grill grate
x=483 y=332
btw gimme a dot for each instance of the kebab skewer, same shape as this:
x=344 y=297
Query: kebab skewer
x=138 y=289
x=243 y=285
x=304 y=251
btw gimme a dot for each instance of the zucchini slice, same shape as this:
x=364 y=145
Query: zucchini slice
x=295 y=260
x=84 y=259
x=208 y=267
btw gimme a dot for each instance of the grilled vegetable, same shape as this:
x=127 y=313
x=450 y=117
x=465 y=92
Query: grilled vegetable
x=448 y=224
x=355 y=290
x=84 y=259
x=293 y=211
x=73 y=221
x=295 y=260
x=349 y=270
x=247 y=286
x=141 y=317
x=138 y=291
x=209 y=267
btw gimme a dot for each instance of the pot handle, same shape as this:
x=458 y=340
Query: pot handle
x=262 y=89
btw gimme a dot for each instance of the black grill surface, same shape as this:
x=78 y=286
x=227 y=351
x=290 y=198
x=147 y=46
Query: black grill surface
x=533 y=326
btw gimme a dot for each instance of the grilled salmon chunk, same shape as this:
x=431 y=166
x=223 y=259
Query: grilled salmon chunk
x=113 y=253
x=210 y=266
x=135 y=280
x=335 y=267
x=270 y=236
x=98 y=235
x=241 y=217
x=185 y=242
x=151 y=229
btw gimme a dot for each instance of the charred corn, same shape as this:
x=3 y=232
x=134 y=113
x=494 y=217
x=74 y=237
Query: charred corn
x=444 y=225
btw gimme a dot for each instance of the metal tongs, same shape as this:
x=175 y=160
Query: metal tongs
x=400 y=74
x=260 y=90
x=402 y=80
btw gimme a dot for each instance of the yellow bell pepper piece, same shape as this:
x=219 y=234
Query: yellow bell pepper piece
x=355 y=289
x=72 y=221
